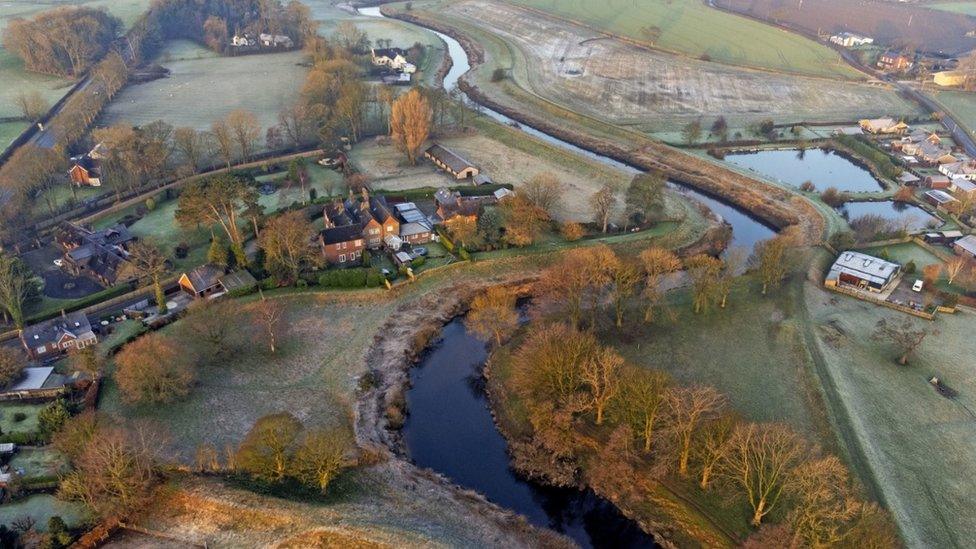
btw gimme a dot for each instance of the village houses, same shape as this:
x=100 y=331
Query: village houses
x=100 y=255
x=212 y=281
x=451 y=204
x=959 y=170
x=965 y=247
x=394 y=58
x=57 y=335
x=883 y=126
x=894 y=62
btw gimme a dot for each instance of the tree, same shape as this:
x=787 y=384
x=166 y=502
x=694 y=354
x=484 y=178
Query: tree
x=114 y=473
x=31 y=104
x=834 y=198
x=266 y=450
x=206 y=329
x=76 y=434
x=692 y=132
x=287 y=244
x=222 y=140
x=245 y=130
x=463 y=229
x=267 y=315
x=153 y=369
x=87 y=360
x=545 y=190
x=656 y=263
x=217 y=253
x=715 y=443
x=931 y=273
x=603 y=203
x=217 y=200
x=688 y=408
x=298 y=122
x=351 y=106
x=52 y=417
x=600 y=374
x=762 y=462
x=582 y=273
x=642 y=402
x=320 y=456
x=548 y=363
x=720 y=129
x=955 y=266
x=704 y=271
x=523 y=220
x=12 y=365
x=571 y=231
x=907 y=335
x=774 y=261
x=191 y=146
x=824 y=512
x=410 y=121
x=16 y=286
x=645 y=196
x=625 y=277
x=493 y=314
x=148 y=258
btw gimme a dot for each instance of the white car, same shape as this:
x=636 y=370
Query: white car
x=918 y=286
x=58 y=262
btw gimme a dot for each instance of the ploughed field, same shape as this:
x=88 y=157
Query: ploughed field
x=620 y=83
x=886 y=22
x=695 y=29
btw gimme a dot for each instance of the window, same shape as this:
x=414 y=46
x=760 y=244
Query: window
x=374 y=231
x=359 y=242
x=389 y=229
x=342 y=246
x=342 y=258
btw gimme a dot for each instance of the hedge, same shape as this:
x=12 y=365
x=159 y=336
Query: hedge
x=444 y=239
x=351 y=278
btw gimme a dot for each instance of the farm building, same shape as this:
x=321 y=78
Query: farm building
x=212 y=281
x=451 y=162
x=395 y=58
x=965 y=247
x=862 y=271
x=939 y=199
x=57 y=335
x=883 y=125
x=959 y=170
x=949 y=78
x=849 y=39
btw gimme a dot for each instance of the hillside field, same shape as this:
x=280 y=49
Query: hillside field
x=692 y=28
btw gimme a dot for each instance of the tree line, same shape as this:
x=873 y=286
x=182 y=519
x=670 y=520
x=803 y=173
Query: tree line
x=64 y=41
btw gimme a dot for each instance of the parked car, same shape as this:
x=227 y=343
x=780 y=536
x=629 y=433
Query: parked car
x=418 y=251
x=58 y=262
x=329 y=162
x=918 y=286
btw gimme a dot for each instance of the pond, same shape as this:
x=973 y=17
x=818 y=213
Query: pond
x=450 y=430
x=909 y=216
x=746 y=230
x=825 y=168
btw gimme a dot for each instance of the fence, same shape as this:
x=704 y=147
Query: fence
x=890 y=305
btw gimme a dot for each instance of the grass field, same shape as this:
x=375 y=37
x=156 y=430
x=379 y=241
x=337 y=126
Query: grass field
x=918 y=444
x=42 y=507
x=39 y=462
x=692 y=28
x=652 y=92
x=9 y=131
x=28 y=425
x=961 y=104
x=965 y=8
x=202 y=88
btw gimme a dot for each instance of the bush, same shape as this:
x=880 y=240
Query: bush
x=19 y=416
x=347 y=278
x=301 y=284
x=910 y=267
x=808 y=187
x=150 y=204
x=498 y=75
x=572 y=231
x=374 y=279
x=269 y=283
x=313 y=193
x=445 y=240
x=418 y=262
x=366 y=258
x=463 y=254
x=833 y=198
x=182 y=250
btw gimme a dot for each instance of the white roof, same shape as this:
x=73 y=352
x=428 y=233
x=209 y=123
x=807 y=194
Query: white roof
x=402 y=257
x=967 y=243
x=865 y=266
x=503 y=193
x=33 y=378
x=408 y=229
x=940 y=196
x=964 y=184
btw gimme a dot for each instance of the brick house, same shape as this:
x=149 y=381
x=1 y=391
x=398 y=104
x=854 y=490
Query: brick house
x=57 y=335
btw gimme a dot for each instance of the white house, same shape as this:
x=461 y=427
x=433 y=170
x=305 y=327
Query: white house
x=242 y=40
x=849 y=39
x=956 y=170
x=394 y=58
x=275 y=41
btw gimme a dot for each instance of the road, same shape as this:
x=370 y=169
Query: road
x=959 y=135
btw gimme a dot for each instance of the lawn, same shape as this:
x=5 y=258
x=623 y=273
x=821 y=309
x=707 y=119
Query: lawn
x=323 y=180
x=917 y=445
x=962 y=105
x=42 y=507
x=9 y=131
x=903 y=253
x=28 y=425
x=39 y=462
x=692 y=28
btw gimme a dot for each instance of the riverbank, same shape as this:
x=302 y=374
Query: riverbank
x=773 y=205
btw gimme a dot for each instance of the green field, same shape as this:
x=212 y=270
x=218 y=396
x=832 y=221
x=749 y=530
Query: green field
x=962 y=105
x=692 y=28
x=9 y=131
x=965 y=8
x=27 y=425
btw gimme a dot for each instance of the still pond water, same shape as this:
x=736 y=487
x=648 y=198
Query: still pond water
x=822 y=167
x=450 y=430
x=911 y=217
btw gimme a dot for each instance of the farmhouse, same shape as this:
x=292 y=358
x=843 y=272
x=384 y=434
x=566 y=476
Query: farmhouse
x=85 y=171
x=212 y=281
x=416 y=228
x=101 y=255
x=965 y=247
x=849 y=39
x=276 y=41
x=452 y=204
x=959 y=170
x=893 y=62
x=450 y=162
x=939 y=199
x=342 y=245
x=949 y=78
x=862 y=271
x=883 y=125
x=52 y=337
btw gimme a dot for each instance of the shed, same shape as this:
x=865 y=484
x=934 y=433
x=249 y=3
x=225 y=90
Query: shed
x=910 y=179
x=965 y=247
x=862 y=271
x=202 y=281
x=450 y=161
x=402 y=258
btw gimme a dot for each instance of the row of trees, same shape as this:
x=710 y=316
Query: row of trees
x=64 y=41
x=622 y=423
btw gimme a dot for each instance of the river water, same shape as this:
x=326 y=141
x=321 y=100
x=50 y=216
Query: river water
x=823 y=168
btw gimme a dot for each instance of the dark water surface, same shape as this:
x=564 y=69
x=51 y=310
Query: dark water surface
x=912 y=217
x=823 y=168
x=450 y=430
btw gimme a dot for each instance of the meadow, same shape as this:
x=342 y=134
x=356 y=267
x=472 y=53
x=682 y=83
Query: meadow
x=965 y=8
x=961 y=104
x=692 y=28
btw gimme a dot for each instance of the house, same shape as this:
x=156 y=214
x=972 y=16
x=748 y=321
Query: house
x=965 y=247
x=893 y=62
x=416 y=227
x=212 y=281
x=930 y=154
x=862 y=271
x=342 y=245
x=395 y=58
x=276 y=41
x=57 y=335
x=450 y=162
x=949 y=78
x=962 y=187
x=883 y=125
x=911 y=142
x=101 y=255
x=85 y=171
x=242 y=41
x=451 y=204
x=938 y=182
x=377 y=220
x=849 y=39
x=939 y=199
x=909 y=179
x=959 y=170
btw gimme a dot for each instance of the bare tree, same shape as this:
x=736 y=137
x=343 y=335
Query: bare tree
x=955 y=266
x=704 y=271
x=688 y=408
x=268 y=316
x=246 y=131
x=762 y=463
x=642 y=402
x=266 y=450
x=222 y=139
x=715 y=444
x=545 y=190
x=907 y=336
x=320 y=456
x=601 y=377
x=31 y=104
x=774 y=261
x=656 y=263
x=12 y=365
x=16 y=286
x=191 y=146
x=625 y=277
x=493 y=314
x=148 y=258
x=603 y=203
x=153 y=369
x=287 y=244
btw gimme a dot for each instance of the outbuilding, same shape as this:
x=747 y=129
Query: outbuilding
x=451 y=162
x=862 y=271
x=965 y=247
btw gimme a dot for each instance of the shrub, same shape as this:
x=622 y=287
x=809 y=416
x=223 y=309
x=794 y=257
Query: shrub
x=418 y=262
x=463 y=254
x=19 y=416
x=150 y=204
x=572 y=231
x=367 y=259
x=910 y=267
x=52 y=417
x=374 y=279
x=808 y=187
x=269 y=283
x=182 y=250
x=301 y=283
x=833 y=198
x=445 y=240
x=313 y=193
x=498 y=75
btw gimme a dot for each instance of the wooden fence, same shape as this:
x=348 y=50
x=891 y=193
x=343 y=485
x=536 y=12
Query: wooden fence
x=890 y=305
